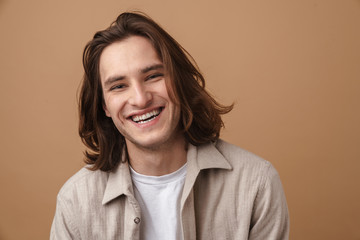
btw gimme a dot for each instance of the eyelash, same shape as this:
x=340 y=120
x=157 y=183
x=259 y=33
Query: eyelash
x=117 y=87
x=154 y=76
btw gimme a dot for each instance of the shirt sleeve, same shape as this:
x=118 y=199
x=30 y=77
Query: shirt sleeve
x=270 y=218
x=63 y=227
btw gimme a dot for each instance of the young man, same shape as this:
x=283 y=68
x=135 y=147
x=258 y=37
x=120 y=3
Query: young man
x=156 y=168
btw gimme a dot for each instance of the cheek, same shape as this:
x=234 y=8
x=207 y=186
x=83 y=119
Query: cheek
x=162 y=90
x=113 y=106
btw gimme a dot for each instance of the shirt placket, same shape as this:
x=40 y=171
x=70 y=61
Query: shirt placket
x=132 y=219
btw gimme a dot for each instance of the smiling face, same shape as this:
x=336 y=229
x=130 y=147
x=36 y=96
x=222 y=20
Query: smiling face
x=135 y=93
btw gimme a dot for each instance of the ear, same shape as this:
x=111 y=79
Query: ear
x=107 y=113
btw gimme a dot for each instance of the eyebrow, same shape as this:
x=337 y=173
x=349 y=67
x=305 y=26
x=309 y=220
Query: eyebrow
x=152 y=67
x=113 y=79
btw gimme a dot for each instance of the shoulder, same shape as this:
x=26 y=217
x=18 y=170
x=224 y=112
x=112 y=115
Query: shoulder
x=85 y=181
x=247 y=168
x=77 y=201
x=254 y=188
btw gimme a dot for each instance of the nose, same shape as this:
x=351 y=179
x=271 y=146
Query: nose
x=140 y=96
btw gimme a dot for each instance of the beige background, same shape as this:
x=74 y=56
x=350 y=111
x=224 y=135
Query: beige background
x=292 y=67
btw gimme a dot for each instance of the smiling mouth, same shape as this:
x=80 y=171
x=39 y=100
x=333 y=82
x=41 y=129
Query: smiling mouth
x=147 y=117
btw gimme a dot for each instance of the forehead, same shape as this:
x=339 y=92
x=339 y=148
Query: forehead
x=127 y=57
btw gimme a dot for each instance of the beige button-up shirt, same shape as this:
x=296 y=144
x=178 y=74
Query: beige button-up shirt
x=229 y=193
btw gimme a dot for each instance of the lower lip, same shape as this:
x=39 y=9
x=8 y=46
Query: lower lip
x=149 y=123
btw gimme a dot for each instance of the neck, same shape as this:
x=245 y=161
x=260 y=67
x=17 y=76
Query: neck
x=159 y=161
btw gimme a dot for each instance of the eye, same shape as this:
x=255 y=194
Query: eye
x=154 y=76
x=115 y=87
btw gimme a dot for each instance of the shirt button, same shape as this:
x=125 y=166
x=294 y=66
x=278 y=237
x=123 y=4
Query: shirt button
x=137 y=220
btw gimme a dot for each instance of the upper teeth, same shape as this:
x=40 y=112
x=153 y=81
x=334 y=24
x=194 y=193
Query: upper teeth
x=146 y=115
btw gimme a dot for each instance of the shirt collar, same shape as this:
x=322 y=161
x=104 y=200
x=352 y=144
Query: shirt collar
x=119 y=183
x=201 y=157
x=206 y=156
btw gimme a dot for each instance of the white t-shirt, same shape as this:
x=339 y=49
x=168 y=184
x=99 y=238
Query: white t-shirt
x=159 y=199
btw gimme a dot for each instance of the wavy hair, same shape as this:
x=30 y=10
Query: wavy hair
x=200 y=118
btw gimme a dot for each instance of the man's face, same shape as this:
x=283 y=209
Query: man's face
x=135 y=93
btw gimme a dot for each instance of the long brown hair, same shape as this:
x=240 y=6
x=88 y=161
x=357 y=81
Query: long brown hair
x=200 y=113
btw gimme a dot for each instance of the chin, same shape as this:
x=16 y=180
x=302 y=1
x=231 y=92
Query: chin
x=152 y=143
